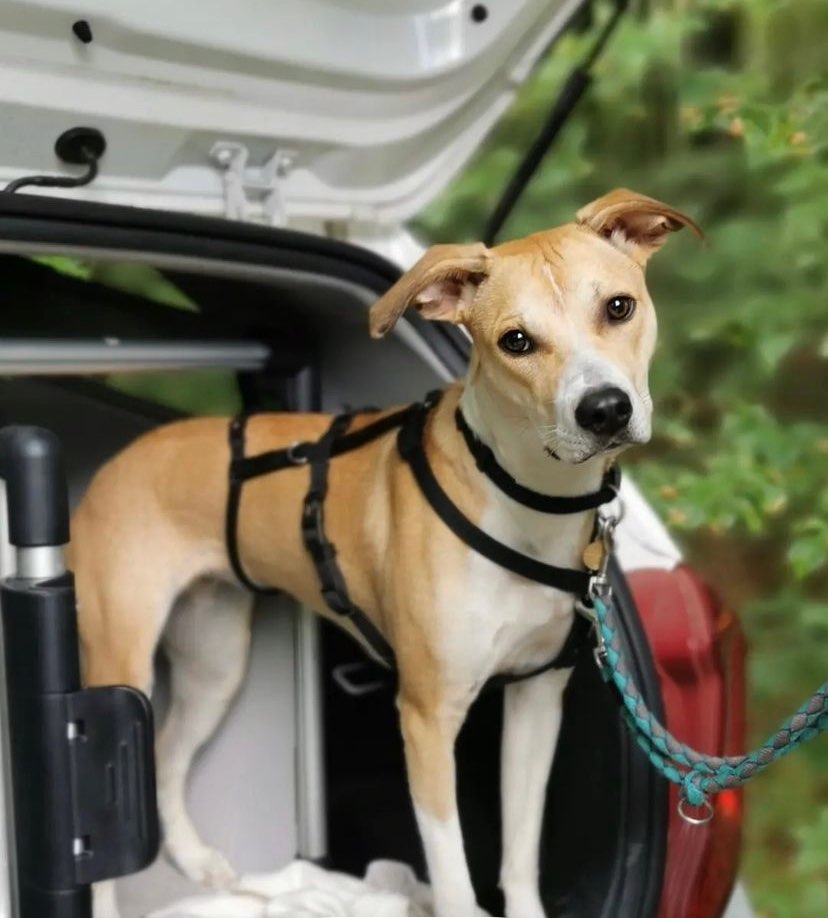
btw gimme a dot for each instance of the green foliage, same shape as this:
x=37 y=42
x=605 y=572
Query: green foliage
x=131 y=277
x=191 y=391
x=720 y=107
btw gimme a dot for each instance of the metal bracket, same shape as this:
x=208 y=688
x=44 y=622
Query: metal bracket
x=110 y=737
x=245 y=186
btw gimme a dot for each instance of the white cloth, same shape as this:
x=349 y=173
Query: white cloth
x=303 y=890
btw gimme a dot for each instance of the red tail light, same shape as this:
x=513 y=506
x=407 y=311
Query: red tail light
x=699 y=654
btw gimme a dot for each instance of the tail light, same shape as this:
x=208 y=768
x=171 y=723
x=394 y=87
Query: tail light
x=699 y=654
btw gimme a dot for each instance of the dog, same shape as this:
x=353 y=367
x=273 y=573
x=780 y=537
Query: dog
x=563 y=331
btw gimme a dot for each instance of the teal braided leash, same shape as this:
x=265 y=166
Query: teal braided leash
x=697 y=775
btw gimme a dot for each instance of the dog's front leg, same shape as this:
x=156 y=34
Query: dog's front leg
x=429 y=732
x=532 y=720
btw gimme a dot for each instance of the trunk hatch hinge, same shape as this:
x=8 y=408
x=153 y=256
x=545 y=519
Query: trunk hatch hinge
x=246 y=187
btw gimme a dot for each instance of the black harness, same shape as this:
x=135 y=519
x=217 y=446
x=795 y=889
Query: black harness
x=411 y=424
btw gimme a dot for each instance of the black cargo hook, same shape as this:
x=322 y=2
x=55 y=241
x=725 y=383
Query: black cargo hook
x=79 y=146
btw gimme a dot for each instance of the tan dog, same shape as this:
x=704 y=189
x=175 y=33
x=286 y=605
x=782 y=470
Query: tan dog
x=563 y=331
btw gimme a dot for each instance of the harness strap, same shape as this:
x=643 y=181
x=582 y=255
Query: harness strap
x=323 y=552
x=246 y=467
x=231 y=520
x=333 y=587
x=410 y=445
x=577 y=641
x=545 y=503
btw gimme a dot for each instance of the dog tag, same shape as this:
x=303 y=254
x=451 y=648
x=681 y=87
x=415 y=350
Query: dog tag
x=593 y=556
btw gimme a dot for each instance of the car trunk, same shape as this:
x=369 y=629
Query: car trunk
x=309 y=762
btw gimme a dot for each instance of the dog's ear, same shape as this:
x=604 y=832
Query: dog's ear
x=440 y=286
x=634 y=223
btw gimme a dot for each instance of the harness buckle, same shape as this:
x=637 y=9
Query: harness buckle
x=312 y=528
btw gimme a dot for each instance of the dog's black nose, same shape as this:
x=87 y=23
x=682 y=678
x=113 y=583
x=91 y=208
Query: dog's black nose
x=604 y=411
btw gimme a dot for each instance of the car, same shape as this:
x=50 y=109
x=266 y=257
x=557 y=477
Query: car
x=249 y=172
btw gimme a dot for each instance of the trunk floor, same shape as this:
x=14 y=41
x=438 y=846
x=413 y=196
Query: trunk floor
x=299 y=890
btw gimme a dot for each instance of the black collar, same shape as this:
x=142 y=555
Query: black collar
x=546 y=503
x=411 y=448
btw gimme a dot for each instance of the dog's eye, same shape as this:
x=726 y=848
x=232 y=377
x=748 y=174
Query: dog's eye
x=516 y=342
x=620 y=308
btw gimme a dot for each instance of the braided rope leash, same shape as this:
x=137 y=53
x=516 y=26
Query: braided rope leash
x=697 y=774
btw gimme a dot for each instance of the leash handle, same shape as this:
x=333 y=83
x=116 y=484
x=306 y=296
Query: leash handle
x=697 y=774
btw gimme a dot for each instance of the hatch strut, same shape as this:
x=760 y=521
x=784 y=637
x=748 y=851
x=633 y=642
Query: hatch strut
x=575 y=86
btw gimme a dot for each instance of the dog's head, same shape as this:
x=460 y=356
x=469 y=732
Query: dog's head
x=562 y=323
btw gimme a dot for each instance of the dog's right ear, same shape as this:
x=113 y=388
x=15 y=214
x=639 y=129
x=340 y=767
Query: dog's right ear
x=634 y=223
x=440 y=286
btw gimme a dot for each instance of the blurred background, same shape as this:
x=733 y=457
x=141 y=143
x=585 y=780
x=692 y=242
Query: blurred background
x=720 y=108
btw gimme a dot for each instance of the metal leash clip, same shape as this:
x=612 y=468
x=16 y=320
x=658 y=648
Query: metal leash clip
x=599 y=583
x=600 y=586
x=586 y=608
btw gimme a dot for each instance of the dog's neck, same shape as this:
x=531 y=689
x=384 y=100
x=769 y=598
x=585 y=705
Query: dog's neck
x=518 y=448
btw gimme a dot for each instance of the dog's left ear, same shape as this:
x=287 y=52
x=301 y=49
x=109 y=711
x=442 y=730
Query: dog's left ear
x=634 y=223
x=440 y=286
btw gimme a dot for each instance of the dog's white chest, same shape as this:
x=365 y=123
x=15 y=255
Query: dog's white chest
x=492 y=620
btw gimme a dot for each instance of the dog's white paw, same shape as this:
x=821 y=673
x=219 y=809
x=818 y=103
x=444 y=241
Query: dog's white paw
x=205 y=866
x=524 y=902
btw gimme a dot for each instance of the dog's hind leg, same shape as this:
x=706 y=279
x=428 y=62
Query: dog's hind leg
x=207 y=640
x=119 y=619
